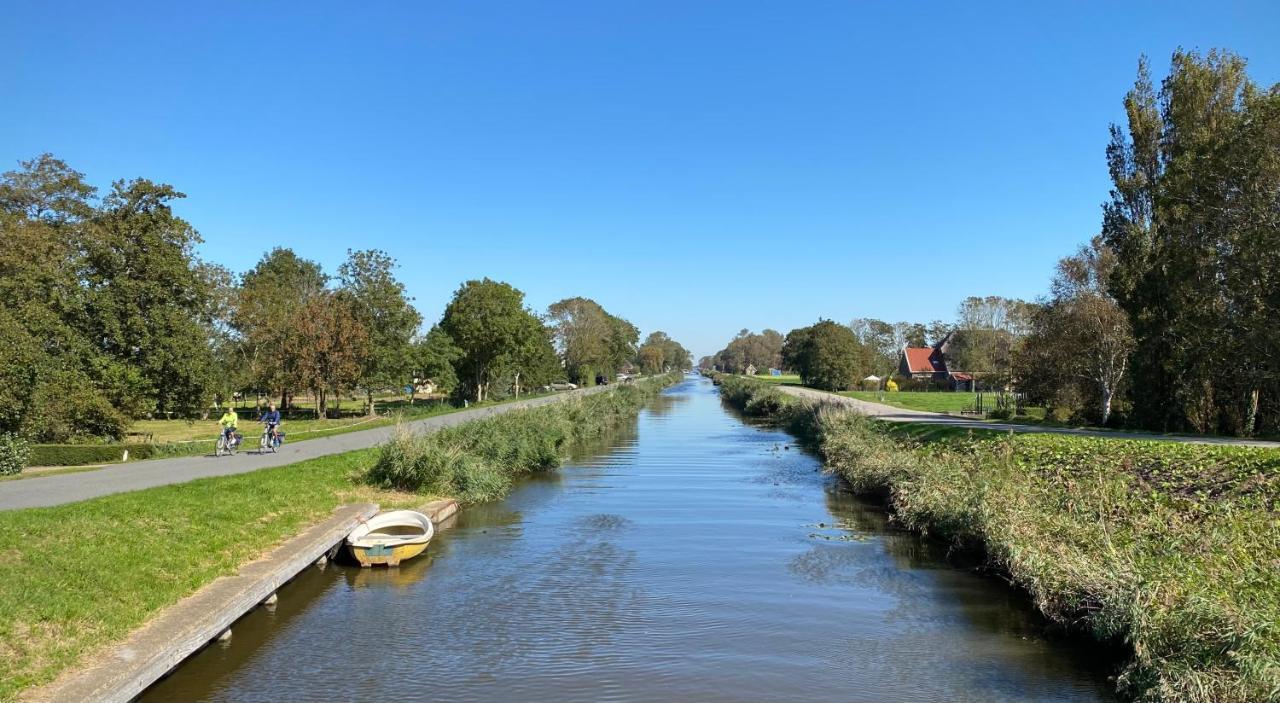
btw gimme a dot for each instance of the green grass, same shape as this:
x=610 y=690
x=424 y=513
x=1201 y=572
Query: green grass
x=1171 y=548
x=938 y=401
x=785 y=379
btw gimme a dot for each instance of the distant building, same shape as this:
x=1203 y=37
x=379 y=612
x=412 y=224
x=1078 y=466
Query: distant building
x=930 y=364
x=751 y=369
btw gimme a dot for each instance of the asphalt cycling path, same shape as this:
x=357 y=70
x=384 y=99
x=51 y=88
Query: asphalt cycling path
x=72 y=487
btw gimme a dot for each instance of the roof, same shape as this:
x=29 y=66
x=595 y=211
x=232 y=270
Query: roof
x=924 y=360
x=962 y=376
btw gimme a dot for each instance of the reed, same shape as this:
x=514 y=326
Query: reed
x=478 y=460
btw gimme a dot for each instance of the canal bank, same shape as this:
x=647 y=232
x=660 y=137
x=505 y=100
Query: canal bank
x=690 y=555
x=1168 y=547
x=79 y=577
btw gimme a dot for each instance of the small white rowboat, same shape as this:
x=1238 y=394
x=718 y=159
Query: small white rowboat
x=390 y=537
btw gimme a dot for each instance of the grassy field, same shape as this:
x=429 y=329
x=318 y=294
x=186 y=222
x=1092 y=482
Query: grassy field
x=785 y=379
x=74 y=578
x=938 y=402
x=1171 y=548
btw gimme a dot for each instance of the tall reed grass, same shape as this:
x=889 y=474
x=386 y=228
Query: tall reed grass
x=478 y=460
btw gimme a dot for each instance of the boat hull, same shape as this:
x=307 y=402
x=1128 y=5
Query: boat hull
x=385 y=555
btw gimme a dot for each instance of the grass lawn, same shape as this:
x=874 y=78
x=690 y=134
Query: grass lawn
x=75 y=577
x=785 y=379
x=938 y=402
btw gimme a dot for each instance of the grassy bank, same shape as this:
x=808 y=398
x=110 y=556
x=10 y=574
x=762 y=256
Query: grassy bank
x=479 y=460
x=75 y=578
x=1172 y=548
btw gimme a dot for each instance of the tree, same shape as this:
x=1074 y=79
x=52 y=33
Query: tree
x=271 y=299
x=1193 y=223
x=330 y=344
x=1080 y=342
x=660 y=353
x=434 y=357
x=827 y=355
x=46 y=189
x=149 y=301
x=987 y=332
x=589 y=339
x=763 y=351
x=487 y=320
x=387 y=315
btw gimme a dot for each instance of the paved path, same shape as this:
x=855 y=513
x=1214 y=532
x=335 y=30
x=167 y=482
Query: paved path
x=72 y=487
x=892 y=414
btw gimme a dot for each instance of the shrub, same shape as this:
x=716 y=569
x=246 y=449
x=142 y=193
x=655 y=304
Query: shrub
x=478 y=460
x=81 y=454
x=14 y=452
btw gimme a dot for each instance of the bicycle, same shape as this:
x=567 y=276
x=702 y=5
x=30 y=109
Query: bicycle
x=227 y=446
x=270 y=441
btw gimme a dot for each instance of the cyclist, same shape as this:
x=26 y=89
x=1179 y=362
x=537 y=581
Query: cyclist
x=230 y=422
x=271 y=418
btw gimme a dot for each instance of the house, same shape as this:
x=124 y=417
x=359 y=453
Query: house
x=751 y=369
x=923 y=363
x=930 y=364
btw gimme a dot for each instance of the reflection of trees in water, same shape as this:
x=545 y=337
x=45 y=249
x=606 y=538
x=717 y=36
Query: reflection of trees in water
x=666 y=403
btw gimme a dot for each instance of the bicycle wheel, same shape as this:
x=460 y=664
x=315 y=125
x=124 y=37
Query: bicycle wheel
x=264 y=443
x=220 y=446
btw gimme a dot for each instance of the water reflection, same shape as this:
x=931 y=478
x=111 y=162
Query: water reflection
x=689 y=557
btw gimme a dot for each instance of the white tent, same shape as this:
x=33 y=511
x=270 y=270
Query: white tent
x=872 y=377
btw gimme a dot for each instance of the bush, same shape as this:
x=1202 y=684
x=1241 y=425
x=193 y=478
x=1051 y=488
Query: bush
x=478 y=460
x=82 y=454
x=14 y=452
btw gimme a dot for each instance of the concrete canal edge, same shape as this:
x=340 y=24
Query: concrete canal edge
x=149 y=653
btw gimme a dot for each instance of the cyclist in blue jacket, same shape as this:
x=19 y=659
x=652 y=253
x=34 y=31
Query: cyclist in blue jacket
x=271 y=418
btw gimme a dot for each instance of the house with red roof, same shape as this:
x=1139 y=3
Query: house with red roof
x=930 y=364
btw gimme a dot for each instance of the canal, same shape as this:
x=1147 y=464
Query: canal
x=692 y=556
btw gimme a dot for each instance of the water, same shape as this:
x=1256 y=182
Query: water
x=693 y=557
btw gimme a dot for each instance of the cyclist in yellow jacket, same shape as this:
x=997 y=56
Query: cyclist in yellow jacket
x=230 y=422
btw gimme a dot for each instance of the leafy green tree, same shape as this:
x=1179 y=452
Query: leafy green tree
x=827 y=355
x=1194 y=227
x=660 y=353
x=434 y=358
x=148 y=299
x=1080 y=342
x=590 y=339
x=329 y=344
x=387 y=315
x=487 y=320
x=270 y=301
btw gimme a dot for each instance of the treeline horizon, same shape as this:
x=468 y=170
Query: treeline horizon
x=108 y=315
x=1168 y=319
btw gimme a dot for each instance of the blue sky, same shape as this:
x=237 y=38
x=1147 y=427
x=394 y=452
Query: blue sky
x=694 y=167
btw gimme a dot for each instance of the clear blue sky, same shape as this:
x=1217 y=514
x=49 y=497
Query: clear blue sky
x=697 y=167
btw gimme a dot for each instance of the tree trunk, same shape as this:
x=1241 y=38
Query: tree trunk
x=1251 y=418
x=517 y=384
x=322 y=404
x=369 y=394
x=1106 y=405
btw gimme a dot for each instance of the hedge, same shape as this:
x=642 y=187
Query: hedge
x=81 y=454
